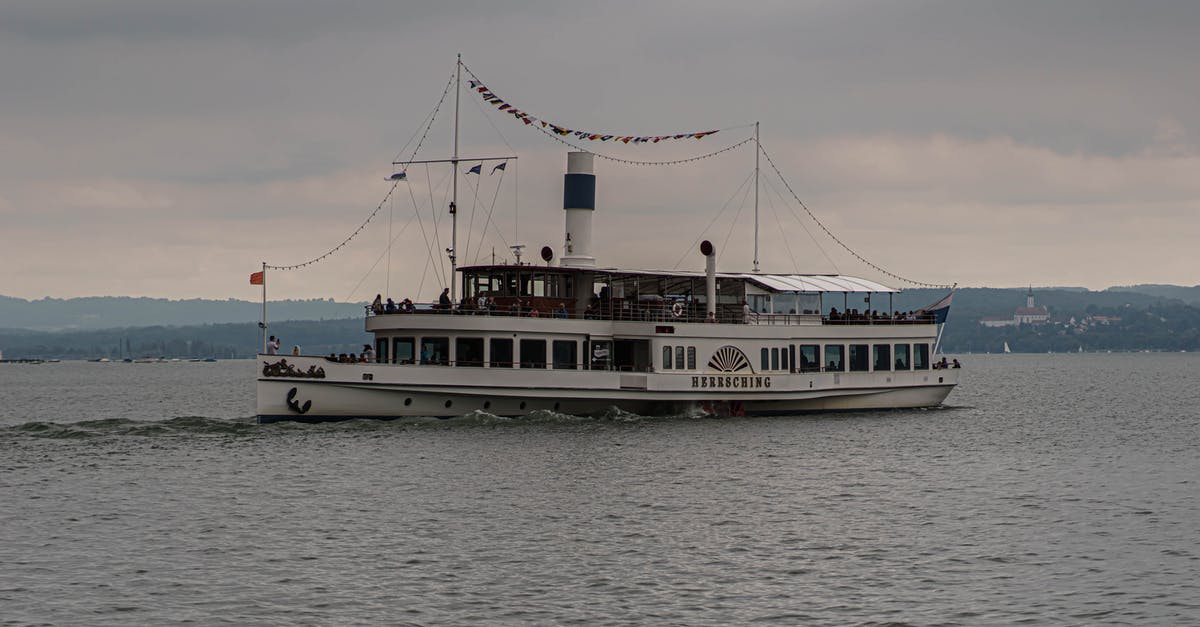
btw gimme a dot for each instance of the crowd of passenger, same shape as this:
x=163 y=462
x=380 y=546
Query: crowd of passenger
x=876 y=316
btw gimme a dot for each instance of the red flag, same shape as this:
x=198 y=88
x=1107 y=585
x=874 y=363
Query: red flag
x=256 y=278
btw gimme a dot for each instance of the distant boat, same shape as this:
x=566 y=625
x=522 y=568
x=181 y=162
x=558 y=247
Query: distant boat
x=1006 y=348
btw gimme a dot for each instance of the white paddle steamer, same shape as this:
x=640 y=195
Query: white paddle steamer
x=574 y=337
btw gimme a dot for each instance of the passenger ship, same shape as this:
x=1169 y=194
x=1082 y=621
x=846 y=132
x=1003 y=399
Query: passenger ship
x=578 y=338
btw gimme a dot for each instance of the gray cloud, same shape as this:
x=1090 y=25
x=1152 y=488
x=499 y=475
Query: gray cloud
x=1003 y=130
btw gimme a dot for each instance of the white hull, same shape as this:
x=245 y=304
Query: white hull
x=396 y=391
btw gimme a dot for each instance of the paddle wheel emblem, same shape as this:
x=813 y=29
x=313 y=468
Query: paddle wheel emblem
x=729 y=359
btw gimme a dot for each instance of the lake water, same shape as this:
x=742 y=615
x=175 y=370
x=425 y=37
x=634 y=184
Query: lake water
x=1053 y=489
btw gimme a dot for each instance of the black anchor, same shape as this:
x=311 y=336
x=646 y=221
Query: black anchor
x=295 y=406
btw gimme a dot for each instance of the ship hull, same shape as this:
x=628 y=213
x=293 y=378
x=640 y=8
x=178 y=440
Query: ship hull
x=351 y=391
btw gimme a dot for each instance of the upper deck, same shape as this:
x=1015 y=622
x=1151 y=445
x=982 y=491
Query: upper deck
x=528 y=291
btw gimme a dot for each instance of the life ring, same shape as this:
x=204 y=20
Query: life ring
x=677 y=310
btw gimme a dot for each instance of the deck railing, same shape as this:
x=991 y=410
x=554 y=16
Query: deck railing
x=657 y=313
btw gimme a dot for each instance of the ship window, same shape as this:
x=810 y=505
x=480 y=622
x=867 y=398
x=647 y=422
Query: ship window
x=666 y=364
x=502 y=352
x=469 y=352
x=774 y=359
x=920 y=356
x=860 y=357
x=759 y=303
x=691 y=358
x=381 y=350
x=783 y=359
x=883 y=357
x=766 y=359
x=435 y=350
x=679 y=357
x=834 y=354
x=533 y=353
x=403 y=350
x=902 y=361
x=783 y=303
x=810 y=357
x=566 y=353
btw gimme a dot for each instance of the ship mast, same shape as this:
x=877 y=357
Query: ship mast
x=756 y=151
x=453 y=250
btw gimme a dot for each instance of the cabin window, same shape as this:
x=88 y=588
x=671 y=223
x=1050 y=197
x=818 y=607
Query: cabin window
x=566 y=353
x=435 y=351
x=381 y=350
x=860 y=357
x=783 y=359
x=533 y=353
x=759 y=303
x=765 y=358
x=774 y=359
x=902 y=361
x=691 y=358
x=783 y=303
x=679 y=357
x=667 y=352
x=502 y=352
x=808 y=303
x=403 y=350
x=810 y=357
x=921 y=356
x=883 y=357
x=469 y=352
x=834 y=357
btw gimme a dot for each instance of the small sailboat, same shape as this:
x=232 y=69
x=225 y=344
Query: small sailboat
x=1007 y=350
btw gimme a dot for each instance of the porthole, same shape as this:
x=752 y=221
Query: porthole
x=487 y=404
x=522 y=404
x=556 y=407
x=449 y=403
x=407 y=402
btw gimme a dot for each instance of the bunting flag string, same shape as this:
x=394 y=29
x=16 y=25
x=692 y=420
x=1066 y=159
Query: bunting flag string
x=559 y=130
x=636 y=162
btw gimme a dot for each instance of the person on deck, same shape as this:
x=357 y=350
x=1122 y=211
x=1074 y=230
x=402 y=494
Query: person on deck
x=377 y=304
x=272 y=346
x=444 y=299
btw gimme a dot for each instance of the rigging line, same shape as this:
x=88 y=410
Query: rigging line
x=484 y=113
x=783 y=234
x=379 y=207
x=471 y=224
x=636 y=162
x=345 y=241
x=417 y=210
x=733 y=224
x=391 y=241
x=834 y=237
x=771 y=187
x=474 y=204
x=713 y=221
x=488 y=221
x=434 y=215
x=436 y=108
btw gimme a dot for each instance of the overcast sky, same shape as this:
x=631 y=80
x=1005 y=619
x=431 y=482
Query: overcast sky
x=160 y=148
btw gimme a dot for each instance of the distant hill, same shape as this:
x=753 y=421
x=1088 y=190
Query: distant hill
x=1189 y=295
x=224 y=341
x=107 y=312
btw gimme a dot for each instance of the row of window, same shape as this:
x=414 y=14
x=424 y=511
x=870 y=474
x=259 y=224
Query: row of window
x=468 y=352
x=679 y=358
x=836 y=357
